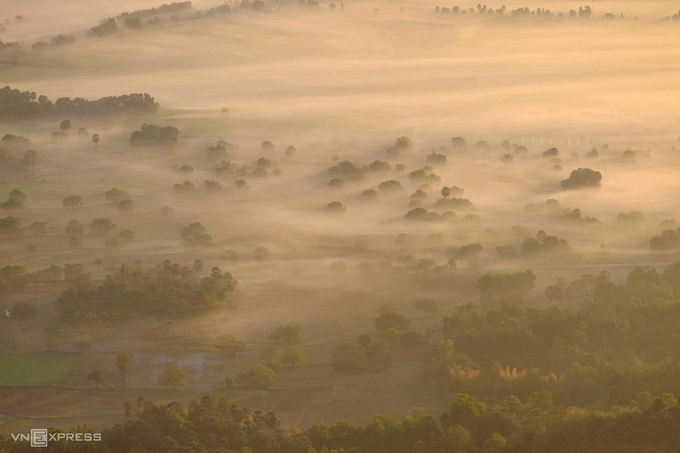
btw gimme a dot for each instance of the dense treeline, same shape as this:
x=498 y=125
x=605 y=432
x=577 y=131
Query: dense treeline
x=165 y=8
x=166 y=290
x=583 y=12
x=603 y=378
x=617 y=348
x=15 y=104
x=210 y=425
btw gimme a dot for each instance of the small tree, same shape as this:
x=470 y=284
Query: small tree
x=292 y=356
x=125 y=206
x=286 y=335
x=72 y=201
x=95 y=140
x=392 y=320
x=123 y=365
x=428 y=306
x=65 y=126
x=554 y=292
x=445 y=192
x=229 y=345
x=102 y=226
x=259 y=376
x=74 y=228
x=37 y=228
x=582 y=178
x=97 y=378
x=126 y=235
x=336 y=208
x=364 y=340
x=23 y=311
x=172 y=377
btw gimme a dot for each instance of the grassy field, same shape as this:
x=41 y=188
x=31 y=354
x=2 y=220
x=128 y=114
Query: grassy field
x=34 y=370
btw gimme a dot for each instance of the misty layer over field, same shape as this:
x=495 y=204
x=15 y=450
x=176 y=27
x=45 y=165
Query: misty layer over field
x=379 y=153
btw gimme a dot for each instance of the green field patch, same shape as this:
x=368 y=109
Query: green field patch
x=35 y=370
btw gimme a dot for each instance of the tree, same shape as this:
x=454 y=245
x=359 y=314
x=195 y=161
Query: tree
x=172 y=377
x=72 y=201
x=212 y=185
x=336 y=208
x=126 y=235
x=364 y=340
x=458 y=143
x=456 y=438
x=167 y=211
x=428 y=306
x=152 y=136
x=116 y=195
x=97 y=378
x=667 y=240
x=95 y=140
x=74 y=228
x=286 y=335
x=268 y=146
x=73 y=271
x=113 y=243
x=336 y=183
x=495 y=444
x=369 y=195
x=292 y=356
x=582 y=178
x=401 y=144
x=510 y=288
x=445 y=192
x=23 y=311
x=554 y=292
x=229 y=345
x=391 y=186
x=102 y=226
x=82 y=132
x=125 y=206
x=37 y=228
x=65 y=126
x=15 y=201
x=259 y=376
x=11 y=226
x=30 y=158
x=392 y=320
x=123 y=365
x=196 y=235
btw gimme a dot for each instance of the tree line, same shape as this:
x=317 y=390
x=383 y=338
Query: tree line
x=16 y=104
